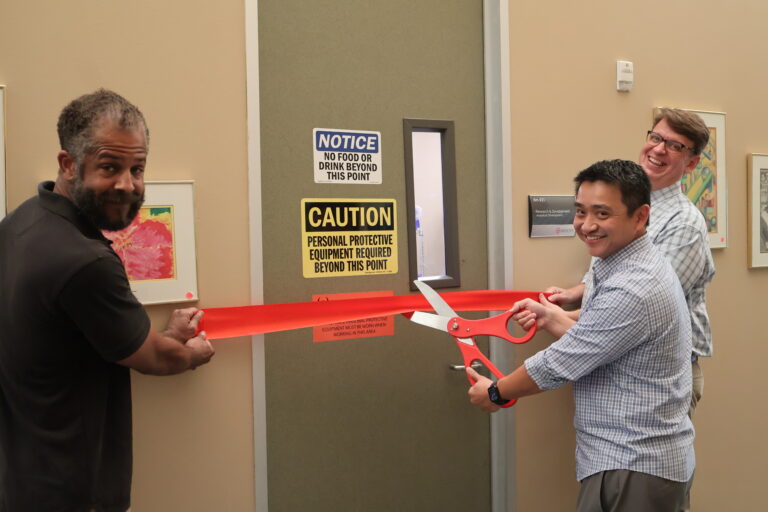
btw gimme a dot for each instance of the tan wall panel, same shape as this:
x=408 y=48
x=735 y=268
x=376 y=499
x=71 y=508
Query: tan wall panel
x=567 y=114
x=182 y=62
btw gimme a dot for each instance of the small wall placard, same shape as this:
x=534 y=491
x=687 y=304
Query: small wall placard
x=550 y=216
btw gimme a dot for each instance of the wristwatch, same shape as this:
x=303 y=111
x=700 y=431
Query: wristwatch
x=494 y=396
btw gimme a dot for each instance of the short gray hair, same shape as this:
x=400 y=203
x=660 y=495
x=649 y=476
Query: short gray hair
x=82 y=115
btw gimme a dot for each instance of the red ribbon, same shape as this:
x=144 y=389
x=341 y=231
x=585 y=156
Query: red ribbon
x=248 y=320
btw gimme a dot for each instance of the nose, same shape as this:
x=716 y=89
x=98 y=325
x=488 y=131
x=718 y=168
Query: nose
x=125 y=181
x=588 y=224
x=661 y=147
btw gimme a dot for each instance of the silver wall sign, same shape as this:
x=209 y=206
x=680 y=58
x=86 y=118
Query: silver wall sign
x=550 y=216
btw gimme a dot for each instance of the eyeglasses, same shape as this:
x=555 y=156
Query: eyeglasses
x=671 y=145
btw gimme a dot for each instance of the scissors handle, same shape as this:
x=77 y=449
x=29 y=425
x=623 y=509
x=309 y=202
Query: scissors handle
x=470 y=354
x=493 y=326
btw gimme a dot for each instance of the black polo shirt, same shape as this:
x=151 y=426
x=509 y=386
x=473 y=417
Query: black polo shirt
x=67 y=314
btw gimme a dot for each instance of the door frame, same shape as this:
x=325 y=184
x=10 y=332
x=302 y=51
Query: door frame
x=256 y=261
x=499 y=206
x=499 y=178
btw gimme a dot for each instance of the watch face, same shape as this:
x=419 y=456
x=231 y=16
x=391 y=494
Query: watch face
x=494 y=396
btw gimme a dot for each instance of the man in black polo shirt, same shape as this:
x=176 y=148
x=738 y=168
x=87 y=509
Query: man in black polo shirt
x=70 y=328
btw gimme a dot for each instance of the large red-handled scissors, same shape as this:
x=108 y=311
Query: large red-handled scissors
x=464 y=331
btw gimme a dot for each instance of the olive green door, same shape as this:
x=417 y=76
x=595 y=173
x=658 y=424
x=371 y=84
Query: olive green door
x=380 y=423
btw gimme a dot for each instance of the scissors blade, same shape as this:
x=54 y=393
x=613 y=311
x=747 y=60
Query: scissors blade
x=428 y=319
x=434 y=299
x=438 y=322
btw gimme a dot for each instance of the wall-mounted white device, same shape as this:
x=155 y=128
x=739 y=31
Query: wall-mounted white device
x=625 y=75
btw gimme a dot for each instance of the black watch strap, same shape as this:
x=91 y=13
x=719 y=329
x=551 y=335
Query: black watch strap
x=494 y=396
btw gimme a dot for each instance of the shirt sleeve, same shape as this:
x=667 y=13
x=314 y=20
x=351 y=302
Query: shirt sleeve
x=686 y=251
x=99 y=300
x=615 y=323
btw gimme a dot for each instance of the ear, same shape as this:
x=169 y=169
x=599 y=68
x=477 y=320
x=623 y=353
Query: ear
x=641 y=216
x=67 y=166
x=692 y=163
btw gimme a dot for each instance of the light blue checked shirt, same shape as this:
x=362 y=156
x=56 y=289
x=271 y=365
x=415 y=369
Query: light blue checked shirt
x=628 y=357
x=679 y=231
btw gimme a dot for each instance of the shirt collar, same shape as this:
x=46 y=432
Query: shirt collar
x=666 y=193
x=64 y=207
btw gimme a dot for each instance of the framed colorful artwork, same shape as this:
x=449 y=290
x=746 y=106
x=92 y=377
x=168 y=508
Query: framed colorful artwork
x=158 y=247
x=757 y=191
x=706 y=185
x=3 y=201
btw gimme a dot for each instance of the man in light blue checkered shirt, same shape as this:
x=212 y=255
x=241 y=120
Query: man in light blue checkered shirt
x=628 y=355
x=678 y=229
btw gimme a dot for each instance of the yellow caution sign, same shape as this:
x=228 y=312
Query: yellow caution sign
x=348 y=237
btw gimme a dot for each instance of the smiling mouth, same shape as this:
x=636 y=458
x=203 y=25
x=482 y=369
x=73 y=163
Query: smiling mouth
x=655 y=162
x=593 y=238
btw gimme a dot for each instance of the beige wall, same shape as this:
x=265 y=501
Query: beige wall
x=182 y=62
x=702 y=55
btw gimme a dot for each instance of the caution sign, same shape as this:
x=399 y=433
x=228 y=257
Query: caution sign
x=347 y=156
x=348 y=237
x=366 y=328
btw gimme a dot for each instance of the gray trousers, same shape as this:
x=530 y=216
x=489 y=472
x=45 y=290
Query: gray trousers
x=621 y=490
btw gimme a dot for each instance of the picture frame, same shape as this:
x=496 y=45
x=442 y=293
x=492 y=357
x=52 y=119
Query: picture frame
x=706 y=185
x=3 y=196
x=158 y=247
x=757 y=204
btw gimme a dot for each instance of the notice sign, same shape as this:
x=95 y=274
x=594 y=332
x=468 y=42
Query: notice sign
x=367 y=328
x=348 y=237
x=550 y=216
x=347 y=156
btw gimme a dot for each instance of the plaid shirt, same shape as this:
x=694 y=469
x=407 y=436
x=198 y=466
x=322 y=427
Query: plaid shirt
x=679 y=231
x=628 y=357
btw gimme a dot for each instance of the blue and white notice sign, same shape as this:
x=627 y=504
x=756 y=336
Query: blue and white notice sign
x=347 y=156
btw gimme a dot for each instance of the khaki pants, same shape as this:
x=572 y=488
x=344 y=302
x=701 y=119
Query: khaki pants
x=698 y=389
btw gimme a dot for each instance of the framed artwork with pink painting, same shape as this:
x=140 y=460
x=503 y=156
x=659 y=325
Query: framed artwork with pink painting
x=158 y=247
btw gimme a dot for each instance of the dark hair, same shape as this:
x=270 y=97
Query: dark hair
x=687 y=124
x=628 y=176
x=78 y=120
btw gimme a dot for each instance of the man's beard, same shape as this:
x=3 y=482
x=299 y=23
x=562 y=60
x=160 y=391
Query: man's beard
x=92 y=205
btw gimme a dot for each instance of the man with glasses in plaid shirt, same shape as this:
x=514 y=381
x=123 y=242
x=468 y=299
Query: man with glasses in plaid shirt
x=628 y=355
